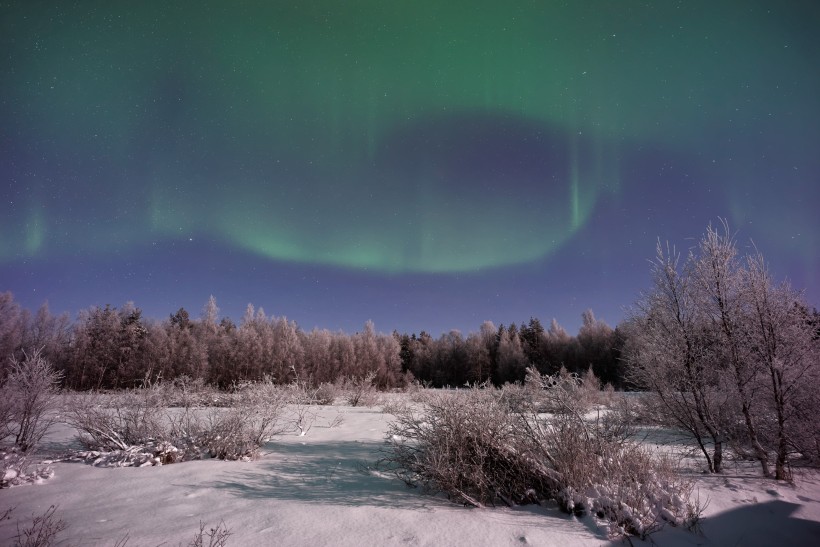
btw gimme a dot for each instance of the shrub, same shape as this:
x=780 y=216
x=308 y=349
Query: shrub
x=477 y=451
x=187 y=392
x=42 y=531
x=216 y=536
x=563 y=392
x=255 y=417
x=138 y=427
x=118 y=421
x=360 y=391
x=522 y=398
x=465 y=446
x=323 y=394
x=604 y=473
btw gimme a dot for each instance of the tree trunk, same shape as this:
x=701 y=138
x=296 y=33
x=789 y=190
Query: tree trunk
x=760 y=452
x=717 y=458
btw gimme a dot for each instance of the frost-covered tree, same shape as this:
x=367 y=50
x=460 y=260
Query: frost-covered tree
x=29 y=399
x=669 y=353
x=722 y=299
x=784 y=352
x=253 y=345
x=317 y=361
x=727 y=354
x=107 y=350
x=210 y=314
x=390 y=372
x=223 y=355
x=343 y=352
x=512 y=362
x=368 y=356
x=48 y=333
x=286 y=350
x=187 y=354
x=11 y=325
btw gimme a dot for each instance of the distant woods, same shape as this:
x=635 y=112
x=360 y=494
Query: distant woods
x=111 y=348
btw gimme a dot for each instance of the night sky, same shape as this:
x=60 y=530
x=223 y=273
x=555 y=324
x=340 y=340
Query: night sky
x=426 y=165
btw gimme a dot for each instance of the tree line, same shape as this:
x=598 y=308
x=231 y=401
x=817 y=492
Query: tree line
x=111 y=348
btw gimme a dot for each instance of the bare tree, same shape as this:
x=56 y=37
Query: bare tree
x=783 y=349
x=30 y=395
x=668 y=354
x=722 y=301
x=727 y=354
x=11 y=324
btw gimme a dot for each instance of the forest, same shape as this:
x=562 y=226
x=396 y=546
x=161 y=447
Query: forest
x=113 y=348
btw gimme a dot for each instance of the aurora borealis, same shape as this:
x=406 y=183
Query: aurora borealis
x=427 y=165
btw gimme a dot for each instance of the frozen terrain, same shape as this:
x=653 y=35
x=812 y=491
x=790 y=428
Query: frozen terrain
x=321 y=489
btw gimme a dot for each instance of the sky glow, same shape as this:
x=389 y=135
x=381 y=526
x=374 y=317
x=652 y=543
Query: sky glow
x=428 y=165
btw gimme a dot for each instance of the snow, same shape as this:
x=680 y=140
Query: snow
x=321 y=489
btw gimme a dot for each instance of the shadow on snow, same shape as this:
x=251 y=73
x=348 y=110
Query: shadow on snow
x=333 y=472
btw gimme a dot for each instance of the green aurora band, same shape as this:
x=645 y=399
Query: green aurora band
x=277 y=127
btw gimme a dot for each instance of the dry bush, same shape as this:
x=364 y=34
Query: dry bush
x=464 y=446
x=477 y=451
x=118 y=421
x=522 y=398
x=304 y=394
x=43 y=530
x=194 y=392
x=360 y=391
x=303 y=397
x=394 y=405
x=604 y=473
x=7 y=411
x=216 y=536
x=240 y=431
x=563 y=392
x=30 y=398
x=421 y=392
x=137 y=424
x=325 y=394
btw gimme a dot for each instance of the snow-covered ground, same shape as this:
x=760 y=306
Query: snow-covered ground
x=320 y=489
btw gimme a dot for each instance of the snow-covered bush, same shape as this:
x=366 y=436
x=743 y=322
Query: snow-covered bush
x=325 y=394
x=16 y=469
x=360 y=390
x=118 y=421
x=477 y=451
x=466 y=446
x=602 y=472
x=522 y=398
x=189 y=392
x=305 y=394
x=563 y=392
x=255 y=417
x=29 y=397
x=135 y=427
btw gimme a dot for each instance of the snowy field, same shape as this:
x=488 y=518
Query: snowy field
x=321 y=489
